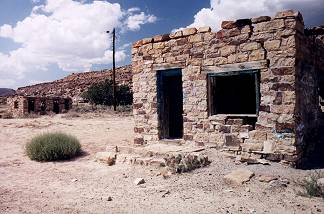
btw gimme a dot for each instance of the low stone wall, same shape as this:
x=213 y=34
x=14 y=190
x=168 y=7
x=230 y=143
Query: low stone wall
x=268 y=45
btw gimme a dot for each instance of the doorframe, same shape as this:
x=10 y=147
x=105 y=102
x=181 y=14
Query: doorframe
x=160 y=74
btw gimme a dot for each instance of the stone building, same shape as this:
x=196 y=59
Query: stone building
x=20 y=106
x=253 y=88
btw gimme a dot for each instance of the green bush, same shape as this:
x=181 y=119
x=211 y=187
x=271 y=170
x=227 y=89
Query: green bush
x=102 y=94
x=53 y=146
x=311 y=187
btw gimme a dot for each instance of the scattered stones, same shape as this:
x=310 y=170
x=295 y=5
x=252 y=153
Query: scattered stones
x=139 y=181
x=278 y=184
x=266 y=178
x=106 y=157
x=238 y=176
x=186 y=163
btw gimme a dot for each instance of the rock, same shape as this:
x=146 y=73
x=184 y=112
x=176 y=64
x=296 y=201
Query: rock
x=266 y=178
x=106 y=157
x=109 y=198
x=74 y=180
x=228 y=24
x=204 y=29
x=139 y=181
x=260 y=19
x=238 y=176
x=189 y=31
x=275 y=184
x=320 y=183
x=166 y=193
x=263 y=162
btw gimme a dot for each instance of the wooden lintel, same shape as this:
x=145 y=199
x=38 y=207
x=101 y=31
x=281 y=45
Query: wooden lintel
x=235 y=67
x=166 y=66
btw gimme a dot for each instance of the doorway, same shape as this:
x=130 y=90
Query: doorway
x=31 y=105
x=170 y=103
x=56 y=106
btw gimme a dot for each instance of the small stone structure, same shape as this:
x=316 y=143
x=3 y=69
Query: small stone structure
x=20 y=106
x=252 y=88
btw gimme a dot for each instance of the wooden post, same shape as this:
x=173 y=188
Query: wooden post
x=114 y=71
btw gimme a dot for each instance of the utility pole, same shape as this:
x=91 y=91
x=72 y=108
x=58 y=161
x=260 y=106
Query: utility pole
x=114 y=69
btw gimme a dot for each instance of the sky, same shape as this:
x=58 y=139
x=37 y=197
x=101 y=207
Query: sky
x=44 y=40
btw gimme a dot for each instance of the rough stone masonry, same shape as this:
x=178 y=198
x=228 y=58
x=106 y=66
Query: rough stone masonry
x=273 y=63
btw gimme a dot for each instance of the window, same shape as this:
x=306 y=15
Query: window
x=233 y=93
x=16 y=104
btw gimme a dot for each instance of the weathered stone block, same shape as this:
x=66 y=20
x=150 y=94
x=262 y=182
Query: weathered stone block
x=161 y=38
x=272 y=45
x=252 y=146
x=234 y=122
x=231 y=140
x=250 y=46
x=260 y=19
x=258 y=135
x=257 y=55
x=227 y=50
x=176 y=34
x=204 y=29
x=189 y=31
x=268 y=146
x=228 y=24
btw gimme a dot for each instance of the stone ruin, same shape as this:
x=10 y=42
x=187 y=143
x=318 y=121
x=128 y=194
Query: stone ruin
x=254 y=88
x=20 y=106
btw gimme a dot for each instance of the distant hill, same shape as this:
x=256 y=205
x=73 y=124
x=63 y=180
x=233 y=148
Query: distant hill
x=73 y=85
x=6 y=92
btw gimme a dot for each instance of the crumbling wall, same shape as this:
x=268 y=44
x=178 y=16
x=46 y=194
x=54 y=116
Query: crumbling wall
x=18 y=105
x=263 y=43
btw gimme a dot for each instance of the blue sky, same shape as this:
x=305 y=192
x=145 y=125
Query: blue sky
x=44 y=40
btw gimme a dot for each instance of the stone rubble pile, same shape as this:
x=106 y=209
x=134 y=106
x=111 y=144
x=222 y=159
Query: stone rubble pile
x=185 y=163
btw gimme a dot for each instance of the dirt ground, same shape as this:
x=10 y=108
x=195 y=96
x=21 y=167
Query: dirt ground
x=84 y=186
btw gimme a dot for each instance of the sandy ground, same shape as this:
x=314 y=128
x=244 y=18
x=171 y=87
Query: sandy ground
x=84 y=186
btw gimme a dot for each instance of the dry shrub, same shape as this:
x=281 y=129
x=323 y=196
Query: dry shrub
x=310 y=186
x=53 y=146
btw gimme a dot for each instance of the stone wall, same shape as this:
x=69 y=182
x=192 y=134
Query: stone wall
x=74 y=84
x=18 y=105
x=266 y=44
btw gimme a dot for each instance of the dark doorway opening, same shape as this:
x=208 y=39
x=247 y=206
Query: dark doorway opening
x=234 y=93
x=170 y=104
x=67 y=104
x=31 y=105
x=56 y=106
x=43 y=105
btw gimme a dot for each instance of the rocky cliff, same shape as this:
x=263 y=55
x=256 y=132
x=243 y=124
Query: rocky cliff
x=74 y=84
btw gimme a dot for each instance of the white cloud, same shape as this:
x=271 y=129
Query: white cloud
x=221 y=10
x=71 y=34
x=135 y=21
